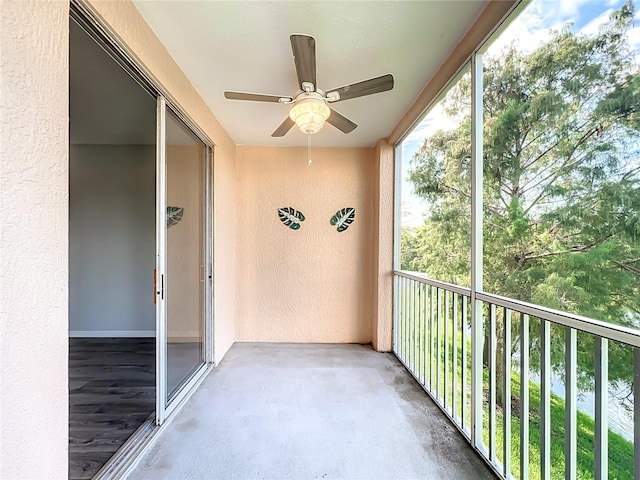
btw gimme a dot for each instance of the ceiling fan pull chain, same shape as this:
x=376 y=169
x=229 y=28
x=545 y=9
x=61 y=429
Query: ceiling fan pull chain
x=309 y=149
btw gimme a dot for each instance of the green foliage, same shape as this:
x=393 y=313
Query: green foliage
x=561 y=180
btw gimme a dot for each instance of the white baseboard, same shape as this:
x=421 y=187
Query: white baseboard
x=112 y=333
x=190 y=334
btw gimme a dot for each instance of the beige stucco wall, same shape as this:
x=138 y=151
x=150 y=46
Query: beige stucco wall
x=33 y=239
x=126 y=23
x=382 y=324
x=313 y=284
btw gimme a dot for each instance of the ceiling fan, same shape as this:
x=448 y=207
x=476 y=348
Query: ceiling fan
x=309 y=105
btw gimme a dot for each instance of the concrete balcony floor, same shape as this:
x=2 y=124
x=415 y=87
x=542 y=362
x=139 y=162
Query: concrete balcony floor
x=283 y=411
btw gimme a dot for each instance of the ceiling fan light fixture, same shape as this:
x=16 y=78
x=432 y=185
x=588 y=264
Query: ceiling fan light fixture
x=309 y=114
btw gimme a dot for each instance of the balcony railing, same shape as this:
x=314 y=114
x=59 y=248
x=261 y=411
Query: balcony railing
x=478 y=358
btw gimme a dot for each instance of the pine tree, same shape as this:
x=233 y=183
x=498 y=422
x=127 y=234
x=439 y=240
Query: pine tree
x=561 y=159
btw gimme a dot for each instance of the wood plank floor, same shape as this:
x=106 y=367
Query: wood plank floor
x=111 y=393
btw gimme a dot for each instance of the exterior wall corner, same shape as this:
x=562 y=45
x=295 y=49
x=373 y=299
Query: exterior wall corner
x=382 y=321
x=34 y=200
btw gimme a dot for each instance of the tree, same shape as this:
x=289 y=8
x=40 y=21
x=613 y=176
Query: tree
x=561 y=183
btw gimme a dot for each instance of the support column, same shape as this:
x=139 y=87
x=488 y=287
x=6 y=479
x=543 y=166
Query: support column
x=382 y=318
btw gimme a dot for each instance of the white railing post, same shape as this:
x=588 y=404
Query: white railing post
x=476 y=249
x=506 y=389
x=524 y=396
x=454 y=357
x=636 y=414
x=411 y=352
x=545 y=400
x=423 y=348
x=432 y=310
x=439 y=345
x=571 y=392
x=394 y=327
x=492 y=383
x=403 y=314
x=447 y=396
x=405 y=321
x=601 y=441
x=463 y=398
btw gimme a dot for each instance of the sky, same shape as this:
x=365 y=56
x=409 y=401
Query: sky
x=531 y=28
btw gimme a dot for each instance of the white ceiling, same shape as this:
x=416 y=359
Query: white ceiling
x=244 y=46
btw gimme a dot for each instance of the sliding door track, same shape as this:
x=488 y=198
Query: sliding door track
x=129 y=452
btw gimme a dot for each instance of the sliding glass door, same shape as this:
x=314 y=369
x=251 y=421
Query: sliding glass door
x=184 y=264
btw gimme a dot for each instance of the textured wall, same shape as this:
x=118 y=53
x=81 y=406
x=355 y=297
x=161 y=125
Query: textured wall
x=127 y=23
x=112 y=238
x=313 y=284
x=34 y=239
x=382 y=324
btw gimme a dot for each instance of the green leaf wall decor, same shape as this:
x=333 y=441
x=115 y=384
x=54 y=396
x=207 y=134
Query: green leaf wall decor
x=343 y=218
x=174 y=215
x=290 y=217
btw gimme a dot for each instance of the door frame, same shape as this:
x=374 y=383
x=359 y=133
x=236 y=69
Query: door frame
x=91 y=21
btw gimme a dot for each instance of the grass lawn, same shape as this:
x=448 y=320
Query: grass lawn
x=620 y=450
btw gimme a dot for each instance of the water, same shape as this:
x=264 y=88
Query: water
x=620 y=418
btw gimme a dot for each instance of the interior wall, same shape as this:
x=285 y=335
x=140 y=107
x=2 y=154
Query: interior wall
x=112 y=240
x=125 y=22
x=313 y=284
x=34 y=136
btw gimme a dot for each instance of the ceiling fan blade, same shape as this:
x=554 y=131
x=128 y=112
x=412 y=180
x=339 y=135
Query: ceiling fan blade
x=304 y=56
x=360 y=89
x=282 y=130
x=341 y=122
x=257 y=97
